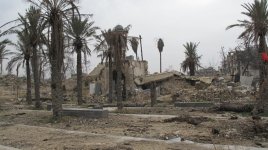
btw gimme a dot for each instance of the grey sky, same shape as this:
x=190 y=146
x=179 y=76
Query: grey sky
x=176 y=21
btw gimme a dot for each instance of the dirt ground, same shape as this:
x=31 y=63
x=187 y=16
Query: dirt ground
x=159 y=128
x=25 y=128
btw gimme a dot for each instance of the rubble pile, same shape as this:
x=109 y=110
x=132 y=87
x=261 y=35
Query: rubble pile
x=222 y=92
x=140 y=96
x=174 y=86
x=95 y=99
x=214 y=91
x=9 y=80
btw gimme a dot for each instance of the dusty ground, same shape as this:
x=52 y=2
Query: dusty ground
x=22 y=127
x=160 y=128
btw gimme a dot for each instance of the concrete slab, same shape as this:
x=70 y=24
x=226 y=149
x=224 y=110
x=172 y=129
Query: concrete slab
x=83 y=112
x=194 y=104
x=2 y=147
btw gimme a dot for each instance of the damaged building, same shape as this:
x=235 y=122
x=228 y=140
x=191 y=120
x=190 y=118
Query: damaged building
x=242 y=66
x=207 y=72
x=99 y=77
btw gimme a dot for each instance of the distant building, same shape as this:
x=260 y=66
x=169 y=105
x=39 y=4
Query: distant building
x=208 y=72
x=242 y=66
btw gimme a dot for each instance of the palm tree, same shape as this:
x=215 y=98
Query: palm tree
x=255 y=30
x=116 y=41
x=103 y=54
x=191 y=61
x=4 y=52
x=160 y=46
x=56 y=13
x=80 y=32
x=22 y=55
x=35 y=25
x=119 y=42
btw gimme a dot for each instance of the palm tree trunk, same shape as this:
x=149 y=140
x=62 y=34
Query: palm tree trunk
x=124 y=92
x=17 y=70
x=40 y=71
x=29 y=84
x=57 y=97
x=56 y=53
x=1 y=66
x=119 y=87
x=79 y=78
x=110 y=97
x=192 y=70
x=262 y=100
x=160 y=62
x=36 y=79
x=118 y=57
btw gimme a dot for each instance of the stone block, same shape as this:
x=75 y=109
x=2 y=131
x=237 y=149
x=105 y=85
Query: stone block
x=194 y=104
x=82 y=112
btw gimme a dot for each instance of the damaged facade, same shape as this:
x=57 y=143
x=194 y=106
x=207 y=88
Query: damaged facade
x=242 y=66
x=132 y=69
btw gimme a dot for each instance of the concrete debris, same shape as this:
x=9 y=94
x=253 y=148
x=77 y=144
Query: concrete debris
x=218 y=90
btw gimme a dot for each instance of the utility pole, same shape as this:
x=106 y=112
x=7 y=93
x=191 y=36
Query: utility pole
x=141 y=48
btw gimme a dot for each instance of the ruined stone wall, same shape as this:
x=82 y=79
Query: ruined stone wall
x=140 y=68
x=132 y=70
x=105 y=80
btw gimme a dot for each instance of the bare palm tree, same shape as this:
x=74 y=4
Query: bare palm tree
x=255 y=30
x=160 y=46
x=191 y=61
x=80 y=32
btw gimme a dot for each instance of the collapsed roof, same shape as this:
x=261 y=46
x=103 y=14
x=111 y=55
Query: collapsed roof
x=143 y=80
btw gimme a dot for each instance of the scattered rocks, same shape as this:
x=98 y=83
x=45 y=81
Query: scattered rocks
x=260 y=127
x=256 y=117
x=231 y=133
x=259 y=144
x=20 y=114
x=215 y=131
x=233 y=117
x=188 y=119
x=168 y=136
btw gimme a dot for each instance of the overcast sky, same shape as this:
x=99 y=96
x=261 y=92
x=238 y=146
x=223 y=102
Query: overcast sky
x=176 y=21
